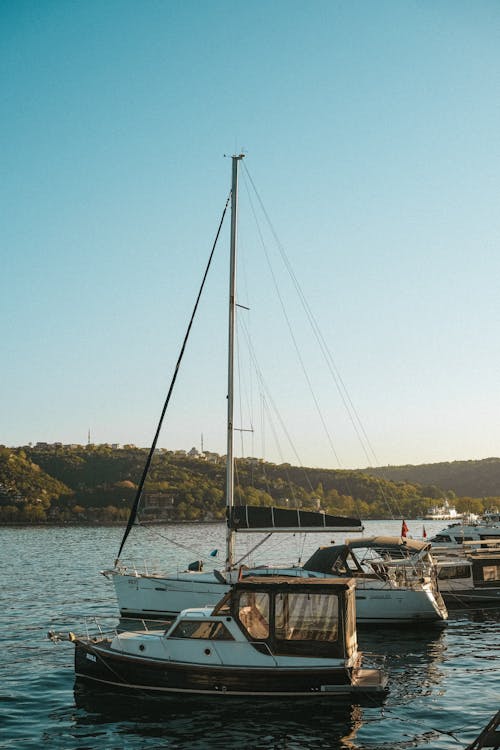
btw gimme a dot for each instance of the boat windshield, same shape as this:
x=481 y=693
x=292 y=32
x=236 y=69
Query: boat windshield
x=306 y=617
x=442 y=538
x=253 y=612
x=216 y=631
x=455 y=571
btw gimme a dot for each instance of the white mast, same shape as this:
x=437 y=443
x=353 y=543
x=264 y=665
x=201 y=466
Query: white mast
x=230 y=368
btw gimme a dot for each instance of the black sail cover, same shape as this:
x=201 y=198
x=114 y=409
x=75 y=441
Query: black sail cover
x=270 y=518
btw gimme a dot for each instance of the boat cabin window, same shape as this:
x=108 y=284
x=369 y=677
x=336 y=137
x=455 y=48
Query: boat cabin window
x=253 y=613
x=215 y=631
x=491 y=573
x=306 y=617
x=454 y=571
x=442 y=538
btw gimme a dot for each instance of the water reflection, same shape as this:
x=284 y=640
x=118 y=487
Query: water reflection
x=202 y=723
x=443 y=685
x=414 y=658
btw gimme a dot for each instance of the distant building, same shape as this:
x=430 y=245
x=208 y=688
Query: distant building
x=212 y=458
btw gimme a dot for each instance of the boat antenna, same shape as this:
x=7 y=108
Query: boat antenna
x=135 y=506
x=230 y=367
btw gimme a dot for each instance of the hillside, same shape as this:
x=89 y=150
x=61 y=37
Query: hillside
x=26 y=491
x=465 y=478
x=97 y=484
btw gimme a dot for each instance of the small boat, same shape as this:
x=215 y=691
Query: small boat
x=489 y=737
x=277 y=636
x=469 y=577
x=445 y=512
x=484 y=528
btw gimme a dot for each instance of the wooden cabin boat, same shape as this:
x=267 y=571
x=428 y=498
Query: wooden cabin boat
x=470 y=577
x=275 y=636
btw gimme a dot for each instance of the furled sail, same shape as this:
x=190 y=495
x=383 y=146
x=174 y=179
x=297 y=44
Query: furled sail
x=270 y=518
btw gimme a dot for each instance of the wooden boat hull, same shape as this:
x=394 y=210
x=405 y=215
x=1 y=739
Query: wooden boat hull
x=476 y=597
x=97 y=663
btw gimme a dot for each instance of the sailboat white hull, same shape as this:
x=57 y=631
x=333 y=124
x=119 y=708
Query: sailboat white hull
x=164 y=597
x=152 y=597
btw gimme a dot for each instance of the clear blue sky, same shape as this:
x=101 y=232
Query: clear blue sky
x=372 y=132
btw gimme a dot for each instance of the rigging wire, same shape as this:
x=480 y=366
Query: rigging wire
x=135 y=506
x=330 y=362
x=265 y=390
x=347 y=401
x=155 y=533
x=292 y=335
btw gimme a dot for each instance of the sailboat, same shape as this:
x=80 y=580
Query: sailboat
x=153 y=595
x=272 y=636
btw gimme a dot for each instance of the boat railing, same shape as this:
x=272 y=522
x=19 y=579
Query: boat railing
x=95 y=628
x=411 y=576
x=138 y=568
x=151 y=568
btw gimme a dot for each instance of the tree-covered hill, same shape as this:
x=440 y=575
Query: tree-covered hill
x=465 y=478
x=26 y=491
x=97 y=483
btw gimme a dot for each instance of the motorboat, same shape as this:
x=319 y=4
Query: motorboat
x=470 y=577
x=484 y=528
x=267 y=637
x=444 y=512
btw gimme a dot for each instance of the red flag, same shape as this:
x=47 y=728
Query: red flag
x=404 y=529
x=424 y=533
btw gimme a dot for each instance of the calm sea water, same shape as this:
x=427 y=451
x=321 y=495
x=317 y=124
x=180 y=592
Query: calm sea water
x=444 y=682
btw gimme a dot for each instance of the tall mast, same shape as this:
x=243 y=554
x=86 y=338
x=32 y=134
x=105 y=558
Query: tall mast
x=230 y=367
